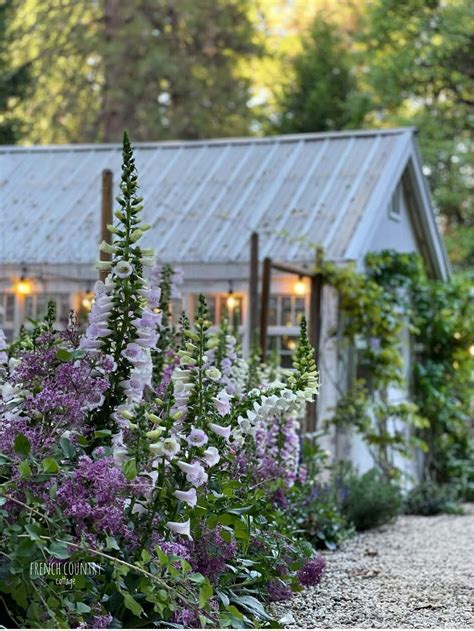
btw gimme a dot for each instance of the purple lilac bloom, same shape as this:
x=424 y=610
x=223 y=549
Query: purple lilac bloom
x=210 y=553
x=188 y=618
x=279 y=498
x=93 y=497
x=278 y=591
x=311 y=572
x=102 y=622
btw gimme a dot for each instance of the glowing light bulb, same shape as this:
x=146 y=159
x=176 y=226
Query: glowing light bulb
x=23 y=287
x=87 y=300
x=231 y=302
x=300 y=287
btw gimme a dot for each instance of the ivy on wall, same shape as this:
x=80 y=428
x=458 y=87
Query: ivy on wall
x=394 y=293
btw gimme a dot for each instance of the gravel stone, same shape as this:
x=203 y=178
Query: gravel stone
x=415 y=573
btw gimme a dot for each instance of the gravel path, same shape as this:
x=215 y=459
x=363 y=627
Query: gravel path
x=418 y=572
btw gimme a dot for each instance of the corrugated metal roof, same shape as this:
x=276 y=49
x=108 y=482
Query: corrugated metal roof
x=202 y=198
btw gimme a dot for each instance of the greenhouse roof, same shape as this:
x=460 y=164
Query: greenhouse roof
x=204 y=198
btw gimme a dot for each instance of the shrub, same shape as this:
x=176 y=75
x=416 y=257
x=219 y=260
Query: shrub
x=318 y=514
x=429 y=498
x=369 y=500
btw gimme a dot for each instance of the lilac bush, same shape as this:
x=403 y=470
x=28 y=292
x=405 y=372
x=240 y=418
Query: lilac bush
x=154 y=448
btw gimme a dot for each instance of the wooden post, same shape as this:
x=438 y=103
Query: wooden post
x=253 y=291
x=266 y=281
x=314 y=335
x=106 y=215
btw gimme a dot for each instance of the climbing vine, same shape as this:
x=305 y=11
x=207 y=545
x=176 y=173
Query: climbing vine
x=376 y=306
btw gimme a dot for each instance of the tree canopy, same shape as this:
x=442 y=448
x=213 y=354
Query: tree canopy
x=76 y=71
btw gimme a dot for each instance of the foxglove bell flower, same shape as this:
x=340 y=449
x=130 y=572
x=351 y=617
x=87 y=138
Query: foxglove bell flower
x=211 y=456
x=197 y=438
x=222 y=402
x=133 y=352
x=220 y=430
x=213 y=373
x=190 y=497
x=180 y=528
x=123 y=269
x=195 y=473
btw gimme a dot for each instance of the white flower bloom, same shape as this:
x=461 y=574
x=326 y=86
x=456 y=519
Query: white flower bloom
x=180 y=528
x=211 y=456
x=123 y=269
x=214 y=373
x=220 y=430
x=190 y=497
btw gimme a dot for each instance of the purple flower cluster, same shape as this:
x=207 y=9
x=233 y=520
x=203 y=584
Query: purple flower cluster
x=277 y=590
x=311 y=572
x=278 y=449
x=98 y=622
x=62 y=391
x=210 y=553
x=93 y=496
x=188 y=618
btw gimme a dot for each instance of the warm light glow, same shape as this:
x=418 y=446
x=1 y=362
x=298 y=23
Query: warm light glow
x=291 y=345
x=87 y=300
x=300 y=287
x=471 y=350
x=231 y=302
x=23 y=287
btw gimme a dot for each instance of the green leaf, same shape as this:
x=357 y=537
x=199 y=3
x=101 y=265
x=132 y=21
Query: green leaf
x=58 y=549
x=197 y=578
x=24 y=469
x=111 y=543
x=205 y=593
x=67 y=447
x=102 y=433
x=145 y=556
x=131 y=604
x=129 y=469
x=22 y=445
x=240 y=511
x=34 y=531
x=252 y=605
x=82 y=608
x=4 y=459
x=50 y=465
x=63 y=355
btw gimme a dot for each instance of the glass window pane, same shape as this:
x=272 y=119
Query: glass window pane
x=42 y=305
x=299 y=309
x=288 y=343
x=234 y=314
x=286 y=319
x=29 y=307
x=273 y=311
x=10 y=308
x=63 y=309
